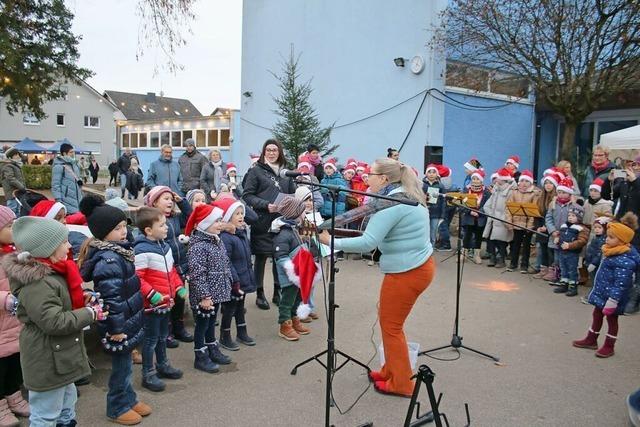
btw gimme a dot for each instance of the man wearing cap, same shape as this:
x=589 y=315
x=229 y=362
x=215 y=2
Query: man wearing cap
x=191 y=163
x=12 y=179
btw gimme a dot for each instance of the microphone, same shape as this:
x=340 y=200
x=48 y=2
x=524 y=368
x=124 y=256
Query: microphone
x=284 y=173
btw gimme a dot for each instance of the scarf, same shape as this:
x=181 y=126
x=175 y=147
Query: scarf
x=593 y=201
x=608 y=251
x=274 y=166
x=314 y=160
x=476 y=188
x=69 y=270
x=127 y=254
x=563 y=200
x=7 y=249
x=599 y=167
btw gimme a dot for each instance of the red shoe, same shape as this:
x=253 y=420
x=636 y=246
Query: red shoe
x=590 y=341
x=381 y=387
x=607 y=348
x=375 y=376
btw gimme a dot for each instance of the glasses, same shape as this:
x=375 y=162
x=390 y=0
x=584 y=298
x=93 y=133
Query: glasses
x=272 y=150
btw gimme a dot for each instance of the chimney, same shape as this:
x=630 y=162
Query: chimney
x=151 y=98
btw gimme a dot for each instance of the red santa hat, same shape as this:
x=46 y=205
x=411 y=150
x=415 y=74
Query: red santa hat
x=553 y=178
x=304 y=163
x=566 y=185
x=231 y=167
x=349 y=168
x=361 y=166
x=560 y=172
x=494 y=175
x=331 y=163
x=202 y=217
x=47 y=209
x=597 y=185
x=228 y=206
x=444 y=171
x=366 y=171
x=526 y=175
x=432 y=167
x=352 y=162
x=514 y=160
x=504 y=174
x=303 y=271
x=78 y=218
x=478 y=173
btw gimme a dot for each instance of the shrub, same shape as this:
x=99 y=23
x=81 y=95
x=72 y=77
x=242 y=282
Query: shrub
x=37 y=177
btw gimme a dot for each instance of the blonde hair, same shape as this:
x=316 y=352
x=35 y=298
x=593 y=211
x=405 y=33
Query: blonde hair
x=602 y=149
x=563 y=164
x=398 y=172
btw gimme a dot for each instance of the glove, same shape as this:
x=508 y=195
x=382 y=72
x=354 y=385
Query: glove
x=156 y=298
x=182 y=292
x=591 y=268
x=610 y=307
x=235 y=290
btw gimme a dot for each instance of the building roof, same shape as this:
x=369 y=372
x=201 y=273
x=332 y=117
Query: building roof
x=137 y=106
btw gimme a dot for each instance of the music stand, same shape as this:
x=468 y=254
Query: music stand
x=454 y=199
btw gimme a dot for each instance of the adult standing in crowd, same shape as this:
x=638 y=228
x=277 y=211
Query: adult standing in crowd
x=392 y=153
x=626 y=192
x=191 y=164
x=113 y=173
x=124 y=163
x=312 y=156
x=94 y=168
x=262 y=185
x=402 y=234
x=84 y=169
x=66 y=180
x=564 y=166
x=213 y=172
x=600 y=167
x=165 y=171
x=12 y=179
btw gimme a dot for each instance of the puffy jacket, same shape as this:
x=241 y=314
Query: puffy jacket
x=175 y=225
x=576 y=235
x=594 y=250
x=191 y=166
x=338 y=180
x=557 y=214
x=497 y=206
x=119 y=286
x=436 y=210
x=10 y=326
x=239 y=252
x=481 y=220
x=517 y=196
x=165 y=172
x=614 y=279
x=52 y=352
x=155 y=268
x=211 y=179
x=64 y=184
x=11 y=177
x=210 y=269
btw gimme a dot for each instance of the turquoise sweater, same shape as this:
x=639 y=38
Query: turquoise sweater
x=400 y=232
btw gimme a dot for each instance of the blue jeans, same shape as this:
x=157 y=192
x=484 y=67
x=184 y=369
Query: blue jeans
x=543 y=258
x=156 y=330
x=443 y=229
x=433 y=229
x=205 y=328
x=569 y=266
x=123 y=182
x=13 y=205
x=53 y=407
x=120 y=397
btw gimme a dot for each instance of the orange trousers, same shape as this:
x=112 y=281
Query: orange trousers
x=398 y=294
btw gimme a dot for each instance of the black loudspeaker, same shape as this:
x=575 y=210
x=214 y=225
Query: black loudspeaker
x=432 y=155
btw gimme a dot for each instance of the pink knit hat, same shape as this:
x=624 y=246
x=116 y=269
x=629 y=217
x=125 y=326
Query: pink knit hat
x=6 y=216
x=155 y=193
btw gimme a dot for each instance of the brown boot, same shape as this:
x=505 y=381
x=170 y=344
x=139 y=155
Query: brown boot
x=299 y=327
x=142 y=409
x=287 y=332
x=18 y=405
x=129 y=418
x=7 y=419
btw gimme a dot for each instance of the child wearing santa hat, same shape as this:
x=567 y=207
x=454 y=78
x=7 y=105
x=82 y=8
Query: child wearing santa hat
x=473 y=223
x=231 y=180
x=557 y=215
x=432 y=189
x=469 y=168
x=238 y=249
x=358 y=183
x=595 y=206
x=495 y=231
x=444 y=236
x=544 y=255
x=526 y=192
x=512 y=164
x=332 y=177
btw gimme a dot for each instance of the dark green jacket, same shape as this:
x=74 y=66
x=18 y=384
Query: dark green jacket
x=11 y=177
x=52 y=351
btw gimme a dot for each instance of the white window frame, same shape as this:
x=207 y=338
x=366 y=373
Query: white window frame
x=160 y=131
x=64 y=120
x=29 y=119
x=87 y=122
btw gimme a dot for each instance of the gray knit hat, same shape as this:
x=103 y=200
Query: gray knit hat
x=38 y=236
x=192 y=193
x=290 y=207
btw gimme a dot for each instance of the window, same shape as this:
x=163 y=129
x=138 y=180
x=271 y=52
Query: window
x=60 y=120
x=142 y=140
x=186 y=134
x=224 y=137
x=30 y=119
x=134 y=140
x=212 y=137
x=175 y=139
x=201 y=138
x=164 y=138
x=92 y=122
x=125 y=140
x=155 y=140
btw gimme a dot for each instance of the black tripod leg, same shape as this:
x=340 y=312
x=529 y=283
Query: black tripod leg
x=350 y=359
x=314 y=357
x=422 y=353
x=414 y=399
x=494 y=358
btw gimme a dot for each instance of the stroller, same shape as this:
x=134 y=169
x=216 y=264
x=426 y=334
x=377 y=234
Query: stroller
x=27 y=199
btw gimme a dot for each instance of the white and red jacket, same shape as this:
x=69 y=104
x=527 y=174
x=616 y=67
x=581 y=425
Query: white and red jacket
x=156 y=270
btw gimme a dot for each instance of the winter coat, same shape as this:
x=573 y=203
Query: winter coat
x=175 y=225
x=261 y=187
x=155 y=268
x=238 y=249
x=191 y=166
x=65 y=178
x=11 y=177
x=285 y=241
x=595 y=210
x=52 y=352
x=94 y=169
x=124 y=162
x=497 y=206
x=590 y=175
x=134 y=182
x=627 y=195
x=614 y=279
x=115 y=278
x=576 y=235
x=113 y=169
x=480 y=220
x=338 y=180
x=10 y=326
x=517 y=196
x=165 y=172
x=557 y=214
x=436 y=210
x=594 y=250
x=210 y=269
x=211 y=178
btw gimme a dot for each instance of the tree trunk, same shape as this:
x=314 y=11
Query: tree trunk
x=567 y=144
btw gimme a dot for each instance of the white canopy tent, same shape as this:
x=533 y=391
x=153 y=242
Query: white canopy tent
x=624 y=143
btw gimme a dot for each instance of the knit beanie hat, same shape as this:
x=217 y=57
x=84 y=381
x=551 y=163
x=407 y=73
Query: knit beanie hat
x=577 y=210
x=11 y=152
x=39 y=237
x=192 y=193
x=111 y=193
x=202 y=217
x=101 y=218
x=118 y=202
x=290 y=207
x=6 y=216
x=303 y=193
x=228 y=206
x=47 y=209
x=154 y=194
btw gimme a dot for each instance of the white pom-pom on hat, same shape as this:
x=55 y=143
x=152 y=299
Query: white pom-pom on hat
x=183 y=239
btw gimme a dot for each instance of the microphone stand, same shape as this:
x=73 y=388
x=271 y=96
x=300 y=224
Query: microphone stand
x=331 y=351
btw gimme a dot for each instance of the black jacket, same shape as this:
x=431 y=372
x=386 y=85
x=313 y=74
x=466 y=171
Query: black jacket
x=124 y=163
x=261 y=187
x=135 y=182
x=627 y=197
x=239 y=253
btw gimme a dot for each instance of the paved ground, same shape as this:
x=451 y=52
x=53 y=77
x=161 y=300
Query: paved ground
x=543 y=381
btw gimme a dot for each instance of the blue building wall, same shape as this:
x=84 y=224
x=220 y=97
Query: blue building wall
x=547 y=141
x=347 y=49
x=490 y=136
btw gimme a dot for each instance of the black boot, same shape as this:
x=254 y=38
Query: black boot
x=227 y=341
x=276 y=294
x=562 y=288
x=243 y=337
x=168 y=371
x=172 y=342
x=492 y=261
x=204 y=363
x=572 y=290
x=499 y=262
x=261 y=301
x=150 y=381
x=180 y=332
x=216 y=355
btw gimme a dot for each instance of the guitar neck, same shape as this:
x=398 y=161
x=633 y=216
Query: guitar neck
x=345 y=232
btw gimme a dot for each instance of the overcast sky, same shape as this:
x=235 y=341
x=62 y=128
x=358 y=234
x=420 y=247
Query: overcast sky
x=211 y=59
